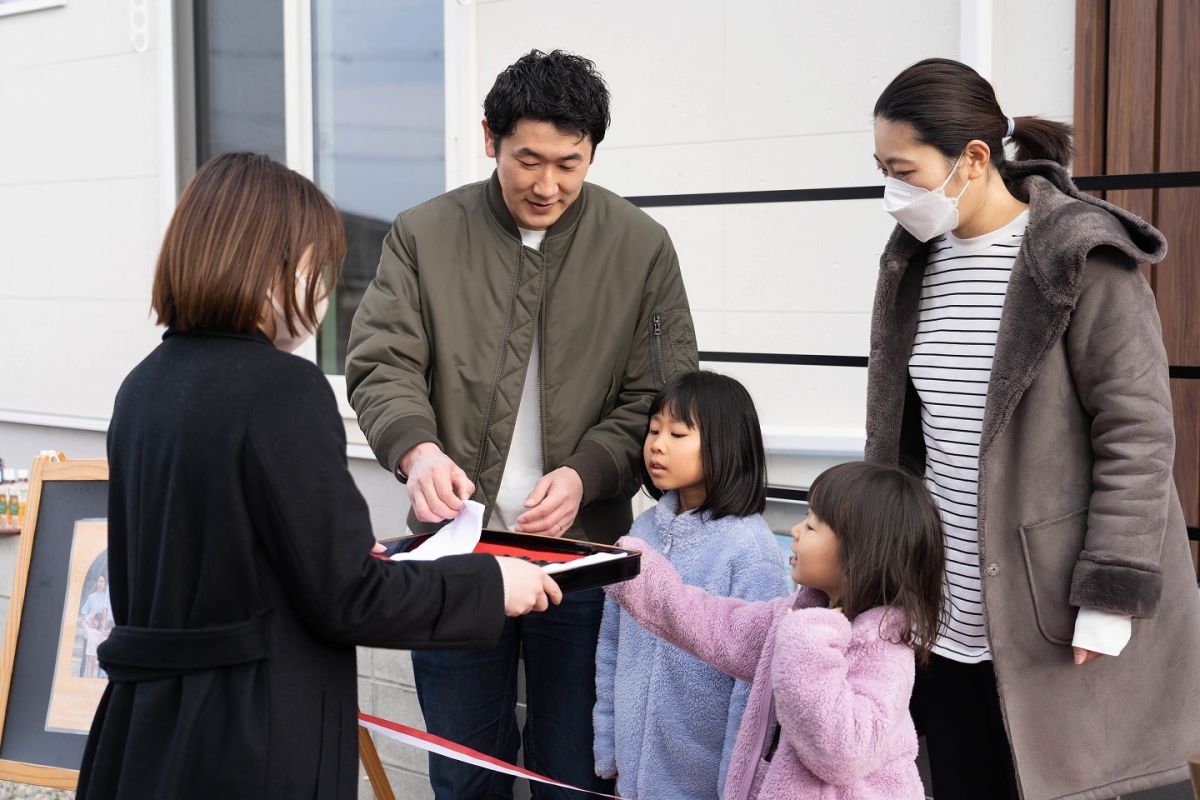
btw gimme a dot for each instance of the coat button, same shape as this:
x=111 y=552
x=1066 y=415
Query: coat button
x=993 y=569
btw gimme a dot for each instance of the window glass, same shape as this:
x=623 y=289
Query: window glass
x=379 y=138
x=239 y=78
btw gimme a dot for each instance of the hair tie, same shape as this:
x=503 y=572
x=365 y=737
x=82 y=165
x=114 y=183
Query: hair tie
x=1012 y=126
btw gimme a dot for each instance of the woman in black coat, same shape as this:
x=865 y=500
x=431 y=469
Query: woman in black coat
x=239 y=546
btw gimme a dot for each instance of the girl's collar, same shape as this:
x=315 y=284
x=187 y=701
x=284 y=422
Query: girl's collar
x=666 y=513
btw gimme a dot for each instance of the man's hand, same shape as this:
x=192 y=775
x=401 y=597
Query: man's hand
x=437 y=488
x=527 y=587
x=552 y=504
x=1083 y=656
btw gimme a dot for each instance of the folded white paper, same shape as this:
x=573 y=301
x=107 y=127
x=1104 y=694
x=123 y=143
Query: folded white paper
x=586 y=561
x=458 y=537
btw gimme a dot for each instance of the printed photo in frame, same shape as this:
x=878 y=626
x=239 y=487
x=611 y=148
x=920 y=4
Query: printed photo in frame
x=45 y=711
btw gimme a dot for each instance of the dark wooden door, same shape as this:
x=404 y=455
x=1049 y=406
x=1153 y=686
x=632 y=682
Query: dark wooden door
x=1137 y=109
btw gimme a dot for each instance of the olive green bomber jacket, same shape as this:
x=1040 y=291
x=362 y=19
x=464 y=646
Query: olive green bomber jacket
x=440 y=345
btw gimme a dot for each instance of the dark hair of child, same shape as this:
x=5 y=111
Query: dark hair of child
x=731 y=446
x=892 y=547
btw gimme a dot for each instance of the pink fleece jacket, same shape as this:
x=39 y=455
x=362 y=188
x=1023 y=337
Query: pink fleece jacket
x=838 y=690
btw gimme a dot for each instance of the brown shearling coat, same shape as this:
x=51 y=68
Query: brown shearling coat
x=1077 y=504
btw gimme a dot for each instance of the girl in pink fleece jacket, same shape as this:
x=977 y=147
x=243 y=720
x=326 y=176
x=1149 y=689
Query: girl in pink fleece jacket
x=831 y=667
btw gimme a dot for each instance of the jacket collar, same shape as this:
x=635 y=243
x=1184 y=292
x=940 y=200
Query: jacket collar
x=670 y=524
x=564 y=224
x=255 y=336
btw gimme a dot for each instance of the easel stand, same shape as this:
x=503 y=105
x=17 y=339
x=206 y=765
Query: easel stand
x=373 y=766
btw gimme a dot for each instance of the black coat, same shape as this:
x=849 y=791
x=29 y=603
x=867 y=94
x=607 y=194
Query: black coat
x=237 y=535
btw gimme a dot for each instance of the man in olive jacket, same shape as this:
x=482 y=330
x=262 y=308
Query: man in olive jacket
x=508 y=350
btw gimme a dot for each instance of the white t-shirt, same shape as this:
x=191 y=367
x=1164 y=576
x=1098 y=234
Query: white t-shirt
x=524 y=466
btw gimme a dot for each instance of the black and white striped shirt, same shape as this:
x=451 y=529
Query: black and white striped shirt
x=962 y=297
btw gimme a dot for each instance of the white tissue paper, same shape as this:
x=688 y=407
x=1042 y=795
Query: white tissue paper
x=458 y=537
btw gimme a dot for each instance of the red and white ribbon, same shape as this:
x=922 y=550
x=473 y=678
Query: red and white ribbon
x=458 y=752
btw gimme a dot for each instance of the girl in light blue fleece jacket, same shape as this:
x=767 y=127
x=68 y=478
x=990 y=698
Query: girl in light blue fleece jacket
x=665 y=721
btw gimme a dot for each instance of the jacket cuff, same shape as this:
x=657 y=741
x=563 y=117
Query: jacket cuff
x=473 y=605
x=597 y=469
x=1115 y=588
x=401 y=436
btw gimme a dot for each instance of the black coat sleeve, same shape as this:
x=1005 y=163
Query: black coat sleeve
x=315 y=528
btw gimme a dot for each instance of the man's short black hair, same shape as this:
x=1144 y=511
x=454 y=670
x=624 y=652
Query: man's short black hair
x=556 y=87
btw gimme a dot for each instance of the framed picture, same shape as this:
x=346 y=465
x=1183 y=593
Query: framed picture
x=50 y=683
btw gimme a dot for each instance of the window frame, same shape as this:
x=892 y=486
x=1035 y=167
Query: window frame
x=10 y=8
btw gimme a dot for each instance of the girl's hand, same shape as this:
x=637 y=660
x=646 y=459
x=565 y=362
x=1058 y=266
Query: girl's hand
x=1083 y=656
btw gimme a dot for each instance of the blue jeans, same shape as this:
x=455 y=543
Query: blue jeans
x=470 y=698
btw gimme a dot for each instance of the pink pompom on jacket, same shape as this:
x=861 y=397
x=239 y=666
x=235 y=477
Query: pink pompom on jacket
x=838 y=690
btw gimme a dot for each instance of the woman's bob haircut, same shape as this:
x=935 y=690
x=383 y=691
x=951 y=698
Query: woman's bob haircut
x=243 y=228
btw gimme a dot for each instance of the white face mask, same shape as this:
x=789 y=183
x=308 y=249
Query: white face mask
x=283 y=339
x=923 y=213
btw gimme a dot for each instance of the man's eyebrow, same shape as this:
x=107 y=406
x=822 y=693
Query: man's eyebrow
x=529 y=152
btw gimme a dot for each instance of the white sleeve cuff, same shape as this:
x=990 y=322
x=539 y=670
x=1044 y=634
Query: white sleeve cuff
x=1102 y=631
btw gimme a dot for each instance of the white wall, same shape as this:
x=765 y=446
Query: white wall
x=80 y=204
x=81 y=212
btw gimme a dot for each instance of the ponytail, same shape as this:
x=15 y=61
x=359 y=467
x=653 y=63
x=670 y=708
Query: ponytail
x=1038 y=138
x=948 y=104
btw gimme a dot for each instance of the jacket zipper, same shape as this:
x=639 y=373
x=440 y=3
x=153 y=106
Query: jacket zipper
x=542 y=369
x=656 y=348
x=512 y=313
x=765 y=752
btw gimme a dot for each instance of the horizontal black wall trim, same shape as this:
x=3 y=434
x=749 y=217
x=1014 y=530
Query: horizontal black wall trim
x=771 y=196
x=1087 y=183
x=792 y=359
x=1138 y=180
x=782 y=493
x=1177 y=371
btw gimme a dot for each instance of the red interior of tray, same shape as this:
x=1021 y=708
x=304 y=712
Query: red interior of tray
x=544 y=556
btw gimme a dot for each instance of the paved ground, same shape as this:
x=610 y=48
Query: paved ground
x=13 y=791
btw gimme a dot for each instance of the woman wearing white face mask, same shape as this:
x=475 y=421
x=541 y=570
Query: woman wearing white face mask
x=1017 y=364
x=287 y=337
x=240 y=566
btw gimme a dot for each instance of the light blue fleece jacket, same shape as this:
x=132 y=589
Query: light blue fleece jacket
x=665 y=722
